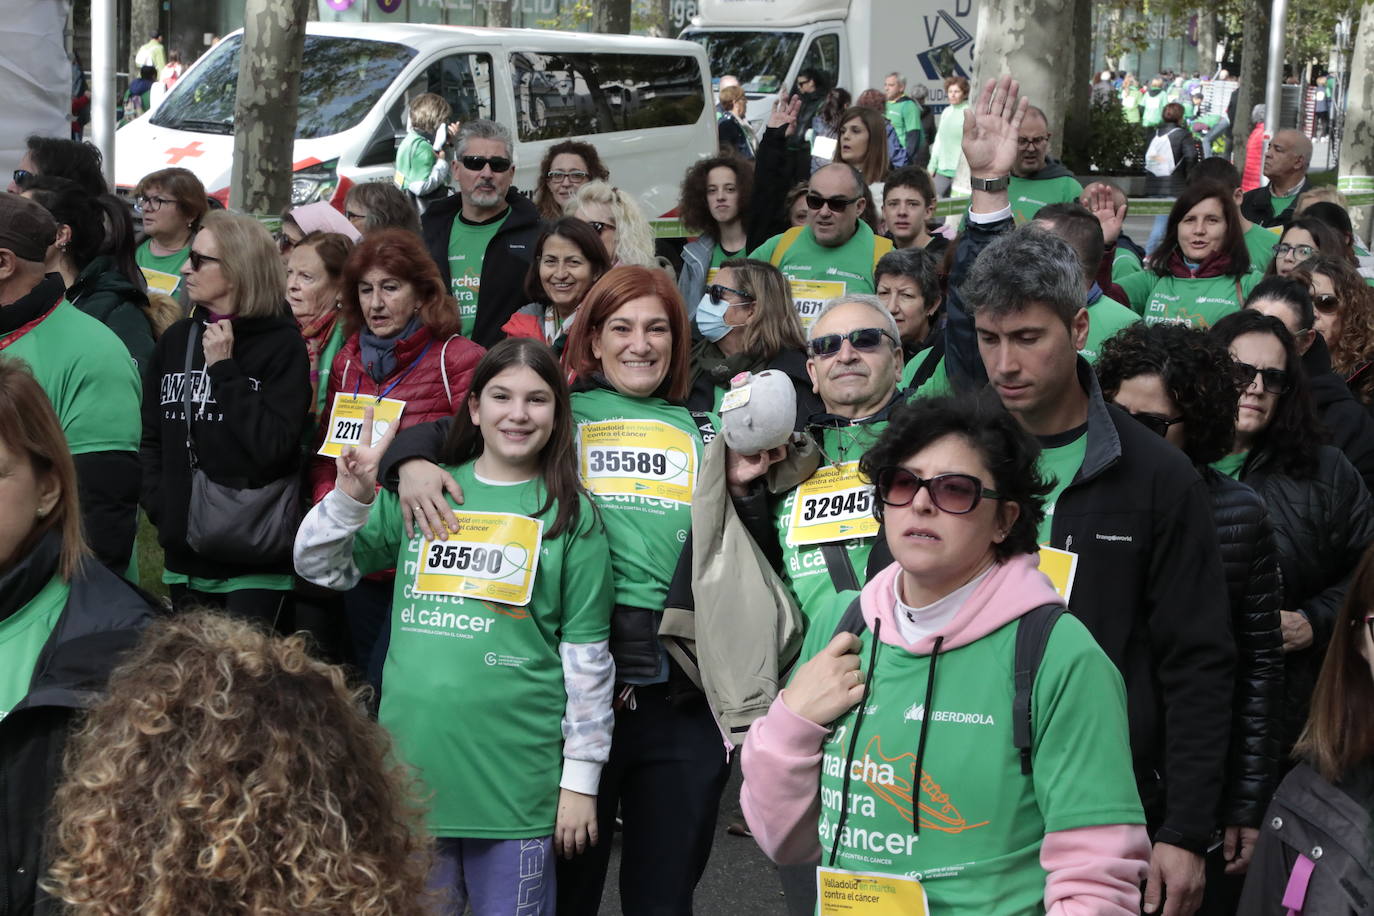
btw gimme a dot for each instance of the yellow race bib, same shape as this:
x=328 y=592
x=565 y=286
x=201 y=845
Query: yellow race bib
x=160 y=281
x=834 y=504
x=1061 y=566
x=346 y=421
x=851 y=893
x=637 y=458
x=492 y=557
x=809 y=295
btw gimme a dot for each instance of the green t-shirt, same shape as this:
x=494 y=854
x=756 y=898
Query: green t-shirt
x=639 y=458
x=162 y=273
x=1230 y=465
x=22 y=637
x=415 y=159
x=904 y=115
x=1028 y=195
x=1281 y=203
x=473 y=690
x=1130 y=105
x=1124 y=262
x=1059 y=463
x=946 y=148
x=1152 y=109
x=982 y=820
x=89 y=377
x=1105 y=318
x=1260 y=242
x=936 y=384
x=839 y=499
x=818 y=274
x=274 y=582
x=1197 y=301
x=467 y=249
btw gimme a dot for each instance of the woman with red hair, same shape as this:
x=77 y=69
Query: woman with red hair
x=404 y=357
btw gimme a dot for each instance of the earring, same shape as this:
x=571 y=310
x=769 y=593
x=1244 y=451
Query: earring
x=42 y=513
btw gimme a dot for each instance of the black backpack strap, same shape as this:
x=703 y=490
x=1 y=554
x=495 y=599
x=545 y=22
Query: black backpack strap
x=841 y=570
x=1032 y=635
x=852 y=621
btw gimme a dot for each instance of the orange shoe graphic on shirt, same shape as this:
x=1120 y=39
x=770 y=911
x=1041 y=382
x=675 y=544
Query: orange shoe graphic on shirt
x=938 y=811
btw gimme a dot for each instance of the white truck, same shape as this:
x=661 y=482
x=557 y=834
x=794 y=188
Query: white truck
x=766 y=43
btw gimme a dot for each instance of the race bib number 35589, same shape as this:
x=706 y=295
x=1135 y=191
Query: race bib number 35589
x=637 y=458
x=493 y=557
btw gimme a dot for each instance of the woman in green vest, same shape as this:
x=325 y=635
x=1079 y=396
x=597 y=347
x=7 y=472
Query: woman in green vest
x=172 y=203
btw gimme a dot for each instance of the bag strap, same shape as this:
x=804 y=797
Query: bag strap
x=186 y=386
x=788 y=239
x=1032 y=635
x=852 y=620
x=841 y=570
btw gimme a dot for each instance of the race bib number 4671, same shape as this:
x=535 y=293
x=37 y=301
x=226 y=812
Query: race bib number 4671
x=637 y=458
x=808 y=296
x=492 y=558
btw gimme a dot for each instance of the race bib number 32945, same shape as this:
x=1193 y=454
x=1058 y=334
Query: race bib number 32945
x=834 y=504
x=493 y=557
x=637 y=458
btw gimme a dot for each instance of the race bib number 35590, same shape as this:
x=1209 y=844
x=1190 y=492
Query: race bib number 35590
x=637 y=458
x=493 y=557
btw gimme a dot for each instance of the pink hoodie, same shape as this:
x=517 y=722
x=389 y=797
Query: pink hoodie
x=1091 y=871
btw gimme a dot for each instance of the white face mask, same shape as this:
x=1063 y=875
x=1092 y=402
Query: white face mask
x=711 y=318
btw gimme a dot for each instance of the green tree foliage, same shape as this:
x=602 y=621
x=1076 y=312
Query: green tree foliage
x=1111 y=146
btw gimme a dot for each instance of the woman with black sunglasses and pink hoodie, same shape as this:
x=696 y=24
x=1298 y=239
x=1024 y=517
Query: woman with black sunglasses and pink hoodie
x=897 y=755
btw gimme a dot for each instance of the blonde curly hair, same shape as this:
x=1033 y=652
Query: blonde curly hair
x=229 y=772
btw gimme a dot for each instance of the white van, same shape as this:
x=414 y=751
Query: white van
x=644 y=102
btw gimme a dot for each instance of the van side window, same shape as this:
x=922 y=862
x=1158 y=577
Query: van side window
x=563 y=95
x=464 y=80
x=824 y=55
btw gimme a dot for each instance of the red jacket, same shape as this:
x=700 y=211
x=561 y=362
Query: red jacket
x=1254 y=159
x=436 y=386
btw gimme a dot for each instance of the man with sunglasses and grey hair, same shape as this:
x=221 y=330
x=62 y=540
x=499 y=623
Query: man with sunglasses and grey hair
x=834 y=254
x=483 y=237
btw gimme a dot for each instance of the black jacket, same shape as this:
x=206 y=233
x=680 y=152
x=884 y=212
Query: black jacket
x=1257 y=206
x=711 y=370
x=1187 y=152
x=1322 y=523
x=248 y=434
x=777 y=167
x=507 y=260
x=1331 y=827
x=1348 y=423
x=106 y=295
x=101 y=621
x=1249 y=556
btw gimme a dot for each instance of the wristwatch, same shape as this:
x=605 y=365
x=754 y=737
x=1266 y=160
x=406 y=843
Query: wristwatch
x=990 y=184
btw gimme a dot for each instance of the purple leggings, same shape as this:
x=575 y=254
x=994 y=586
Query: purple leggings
x=498 y=877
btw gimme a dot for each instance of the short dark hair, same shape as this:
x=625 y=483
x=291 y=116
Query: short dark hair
x=692 y=208
x=1295 y=433
x=1328 y=240
x=1196 y=371
x=1173 y=113
x=1234 y=242
x=581 y=234
x=1215 y=168
x=1022 y=267
x=1010 y=453
x=388 y=207
x=1334 y=215
x=911 y=176
x=1075 y=224
x=1291 y=293
x=78 y=162
x=917 y=263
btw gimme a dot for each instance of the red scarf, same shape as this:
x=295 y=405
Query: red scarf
x=316 y=335
x=1215 y=265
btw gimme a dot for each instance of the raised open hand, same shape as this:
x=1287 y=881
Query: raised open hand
x=785 y=111
x=991 y=126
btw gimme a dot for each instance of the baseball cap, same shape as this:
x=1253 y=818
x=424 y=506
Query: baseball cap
x=25 y=227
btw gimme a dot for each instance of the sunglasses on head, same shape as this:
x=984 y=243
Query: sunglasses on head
x=865 y=340
x=21 y=176
x=1153 y=421
x=199 y=260
x=1274 y=381
x=957 y=494
x=498 y=164
x=717 y=294
x=598 y=226
x=1326 y=303
x=836 y=204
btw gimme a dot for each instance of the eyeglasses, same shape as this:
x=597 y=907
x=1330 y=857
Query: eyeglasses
x=1028 y=142
x=1368 y=622
x=354 y=217
x=1326 y=303
x=498 y=164
x=284 y=242
x=717 y=294
x=151 y=204
x=1153 y=421
x=199 y=260
x=599 y=226
x=865 y=340
x=1301 y=252
x=1275 y=381
x=836 y=204
x=576 y=176
x=957 y=494
x=21 y=176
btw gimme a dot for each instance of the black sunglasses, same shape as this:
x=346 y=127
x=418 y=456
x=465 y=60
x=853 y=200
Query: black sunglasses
x=498 y=164
x=957 y=494
x=1275 y=381
x=836 y=204
x=1153 y=421
x=598 y=226
x=865 y=340
x=21 y=176
x=199 y=260
x=1326 y=303
x=717 y=294
x=284 y=242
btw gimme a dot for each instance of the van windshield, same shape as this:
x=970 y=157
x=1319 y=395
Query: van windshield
x=760 y=59
x=341 y=79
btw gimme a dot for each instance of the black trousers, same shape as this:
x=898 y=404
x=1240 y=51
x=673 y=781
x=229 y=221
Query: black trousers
x=264 y=606
x=666 y=773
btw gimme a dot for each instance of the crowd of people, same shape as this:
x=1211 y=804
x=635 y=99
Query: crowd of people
x=1050 y=595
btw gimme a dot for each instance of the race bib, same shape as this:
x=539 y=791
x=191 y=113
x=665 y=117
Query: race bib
x=834 y=504
x=638 y=458
x=491 y=558
x=160 y=281
x=711 y=275
x=1061 y=566
x=852 y=893
x=809 y=295
x=346 y=421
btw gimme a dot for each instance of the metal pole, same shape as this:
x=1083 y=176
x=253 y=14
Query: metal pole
x=1273 y=83
x=103 y=33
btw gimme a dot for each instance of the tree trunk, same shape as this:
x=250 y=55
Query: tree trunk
x=1082 y=72
x=265 y=107
x=498 y=13
x=1357 y=140
x=1026 y=38
x=143 y=22
x=658 y=19
x=1254 y=62
x=611 y=16
x=1207 y=42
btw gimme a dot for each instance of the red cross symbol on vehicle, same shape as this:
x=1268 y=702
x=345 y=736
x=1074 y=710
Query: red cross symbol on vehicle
x=191 y=149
